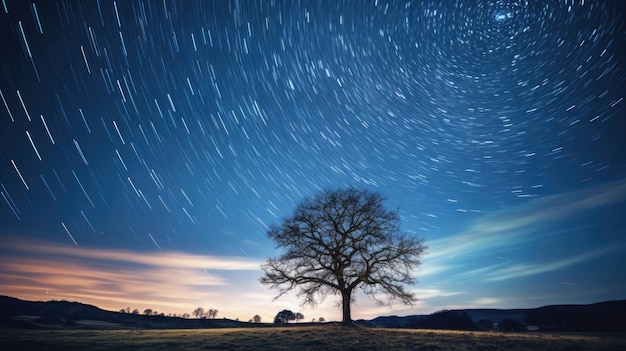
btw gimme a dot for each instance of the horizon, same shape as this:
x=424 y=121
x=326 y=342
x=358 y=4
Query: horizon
x=315 y=320
x=147 y=147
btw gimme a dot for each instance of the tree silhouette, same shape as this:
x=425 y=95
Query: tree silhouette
x=211 y=313
x=135 y=311
x=298 y=316
x=321 y=320
x=284 y=316
x=256 y=318
x=147 y=311
x=339 y=241
x=198 y=312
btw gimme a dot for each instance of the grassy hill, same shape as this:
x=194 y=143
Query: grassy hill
x=16 y=313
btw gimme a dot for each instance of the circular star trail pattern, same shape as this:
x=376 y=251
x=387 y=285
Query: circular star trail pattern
x=197 y=124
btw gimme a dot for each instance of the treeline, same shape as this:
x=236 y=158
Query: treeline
x=198 y=313
x=286 y=316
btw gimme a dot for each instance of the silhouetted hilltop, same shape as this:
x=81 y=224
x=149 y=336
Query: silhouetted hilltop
x=18 y=313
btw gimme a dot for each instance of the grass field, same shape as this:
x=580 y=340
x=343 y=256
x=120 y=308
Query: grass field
x=301 y=338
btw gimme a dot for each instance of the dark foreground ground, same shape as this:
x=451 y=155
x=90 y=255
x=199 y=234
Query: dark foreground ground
x=303 y=338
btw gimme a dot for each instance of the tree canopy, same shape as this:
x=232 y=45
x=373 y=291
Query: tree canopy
x=341 y=240
x=284 y=316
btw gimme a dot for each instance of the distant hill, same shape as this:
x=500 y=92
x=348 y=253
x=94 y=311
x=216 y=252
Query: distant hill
x=602 y=316
x=18 y=313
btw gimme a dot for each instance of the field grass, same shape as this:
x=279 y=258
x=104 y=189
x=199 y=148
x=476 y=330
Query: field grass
x=302 y=338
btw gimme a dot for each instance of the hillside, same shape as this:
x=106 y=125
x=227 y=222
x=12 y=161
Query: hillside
x=18 y=313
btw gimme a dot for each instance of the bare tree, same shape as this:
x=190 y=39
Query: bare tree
x=339 y=241
x=198 y=312
x=211 y=313
x=256 y=318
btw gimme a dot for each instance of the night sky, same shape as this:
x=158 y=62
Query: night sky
x=147 y=146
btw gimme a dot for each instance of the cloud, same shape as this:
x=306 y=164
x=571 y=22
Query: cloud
x=112 y=279
x=518 y=270
x=424 y=294
x=501 y=252
x=513 y=227
x=161 y=259
x=487 y=301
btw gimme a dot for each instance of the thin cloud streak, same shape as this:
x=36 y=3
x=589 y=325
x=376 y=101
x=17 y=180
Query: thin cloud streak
x=511 y=227
x=156 y=259
x=523 y=270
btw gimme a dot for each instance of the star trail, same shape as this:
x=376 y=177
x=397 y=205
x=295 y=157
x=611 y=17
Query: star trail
x=497 y=128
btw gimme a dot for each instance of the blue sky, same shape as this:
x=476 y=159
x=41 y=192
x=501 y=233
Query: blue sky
x=146 y=147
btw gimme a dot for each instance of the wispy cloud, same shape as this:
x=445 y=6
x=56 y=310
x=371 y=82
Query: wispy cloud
x=487 y=301
x=516 y=226
x=161 y=259
x=518 y=270
x=424 y=294
x=112 y=279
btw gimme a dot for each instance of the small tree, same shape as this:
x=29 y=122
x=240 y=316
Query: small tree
x=256 y=318
x=147 y=311
x=321 y=320
x=212 y=313
x=284 y=316
x=135 y=311
x=298 y=316
x=339 y=241
x=198 y=312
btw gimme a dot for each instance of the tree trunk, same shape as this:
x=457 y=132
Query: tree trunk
x=345 y=301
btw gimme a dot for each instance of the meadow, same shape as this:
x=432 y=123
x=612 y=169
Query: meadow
x=303 y=338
